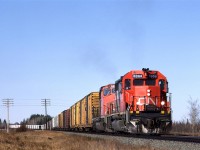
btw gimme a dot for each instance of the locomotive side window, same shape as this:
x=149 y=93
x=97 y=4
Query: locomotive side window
x=138 y=82
x=167 y=87
x=150 y=82
x=162 y=84
x=127 y=84
x=106 y=92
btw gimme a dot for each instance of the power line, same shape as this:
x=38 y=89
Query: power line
x=38 y=99
x=33 y=105
x=8 y=102
x=46 y=102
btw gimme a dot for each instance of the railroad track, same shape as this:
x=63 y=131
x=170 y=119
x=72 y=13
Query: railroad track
x=167 y=137
x=189 y=139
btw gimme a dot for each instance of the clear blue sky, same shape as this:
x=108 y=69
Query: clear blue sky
x=62 y=50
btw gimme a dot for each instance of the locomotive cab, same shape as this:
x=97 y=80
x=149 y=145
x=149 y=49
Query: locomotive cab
x=107 y=107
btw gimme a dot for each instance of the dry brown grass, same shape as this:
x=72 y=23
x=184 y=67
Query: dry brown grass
x=185 y=128
x=46 y=140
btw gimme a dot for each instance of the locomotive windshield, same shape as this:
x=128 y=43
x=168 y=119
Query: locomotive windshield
x=140 y=82
x=150 y=82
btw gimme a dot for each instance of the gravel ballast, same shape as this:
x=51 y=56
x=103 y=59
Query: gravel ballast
x=156 y=144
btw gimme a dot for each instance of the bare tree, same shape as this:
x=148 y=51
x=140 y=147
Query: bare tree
x=194 y=112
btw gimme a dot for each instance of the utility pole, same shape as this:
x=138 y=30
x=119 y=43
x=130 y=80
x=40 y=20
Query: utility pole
x=46 y=102
x=7 y=102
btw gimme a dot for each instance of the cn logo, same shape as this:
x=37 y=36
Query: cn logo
x=147 y=101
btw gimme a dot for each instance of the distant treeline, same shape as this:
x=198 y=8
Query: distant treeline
x=192 y=124
x=36 y=119
x=185 y=127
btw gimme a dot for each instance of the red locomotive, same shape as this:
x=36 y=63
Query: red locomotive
x=138 y=102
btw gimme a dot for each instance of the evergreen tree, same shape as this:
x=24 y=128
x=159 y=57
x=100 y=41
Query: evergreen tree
x=4 y=124
x=37 y=119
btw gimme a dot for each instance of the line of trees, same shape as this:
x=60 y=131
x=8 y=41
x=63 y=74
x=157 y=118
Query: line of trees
x=192 y=124
x=36 y=119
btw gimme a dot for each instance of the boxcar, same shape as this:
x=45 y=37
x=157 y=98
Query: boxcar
x=67 y=119
x=93 y=105
x=60 y=120
x=55 y=122
x=82 y=112
x=72 y=117
x=64 y=119
x=77 y=114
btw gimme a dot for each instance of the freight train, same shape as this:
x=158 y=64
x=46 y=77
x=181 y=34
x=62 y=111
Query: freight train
x=138 y=102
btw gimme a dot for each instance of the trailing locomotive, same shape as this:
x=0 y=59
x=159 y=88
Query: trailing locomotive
x=139 y=102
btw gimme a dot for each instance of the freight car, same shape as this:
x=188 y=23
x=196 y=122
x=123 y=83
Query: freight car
x=60 y=122
x=66 y=119
x=83 y=111
x=31 y=127
x=139 y=102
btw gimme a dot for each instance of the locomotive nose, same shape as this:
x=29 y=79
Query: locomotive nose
x=152 y=91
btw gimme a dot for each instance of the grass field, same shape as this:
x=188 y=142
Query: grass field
x=46 y=140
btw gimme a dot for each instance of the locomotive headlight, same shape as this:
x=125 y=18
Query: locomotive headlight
x=163 y=103
x=148 y=92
